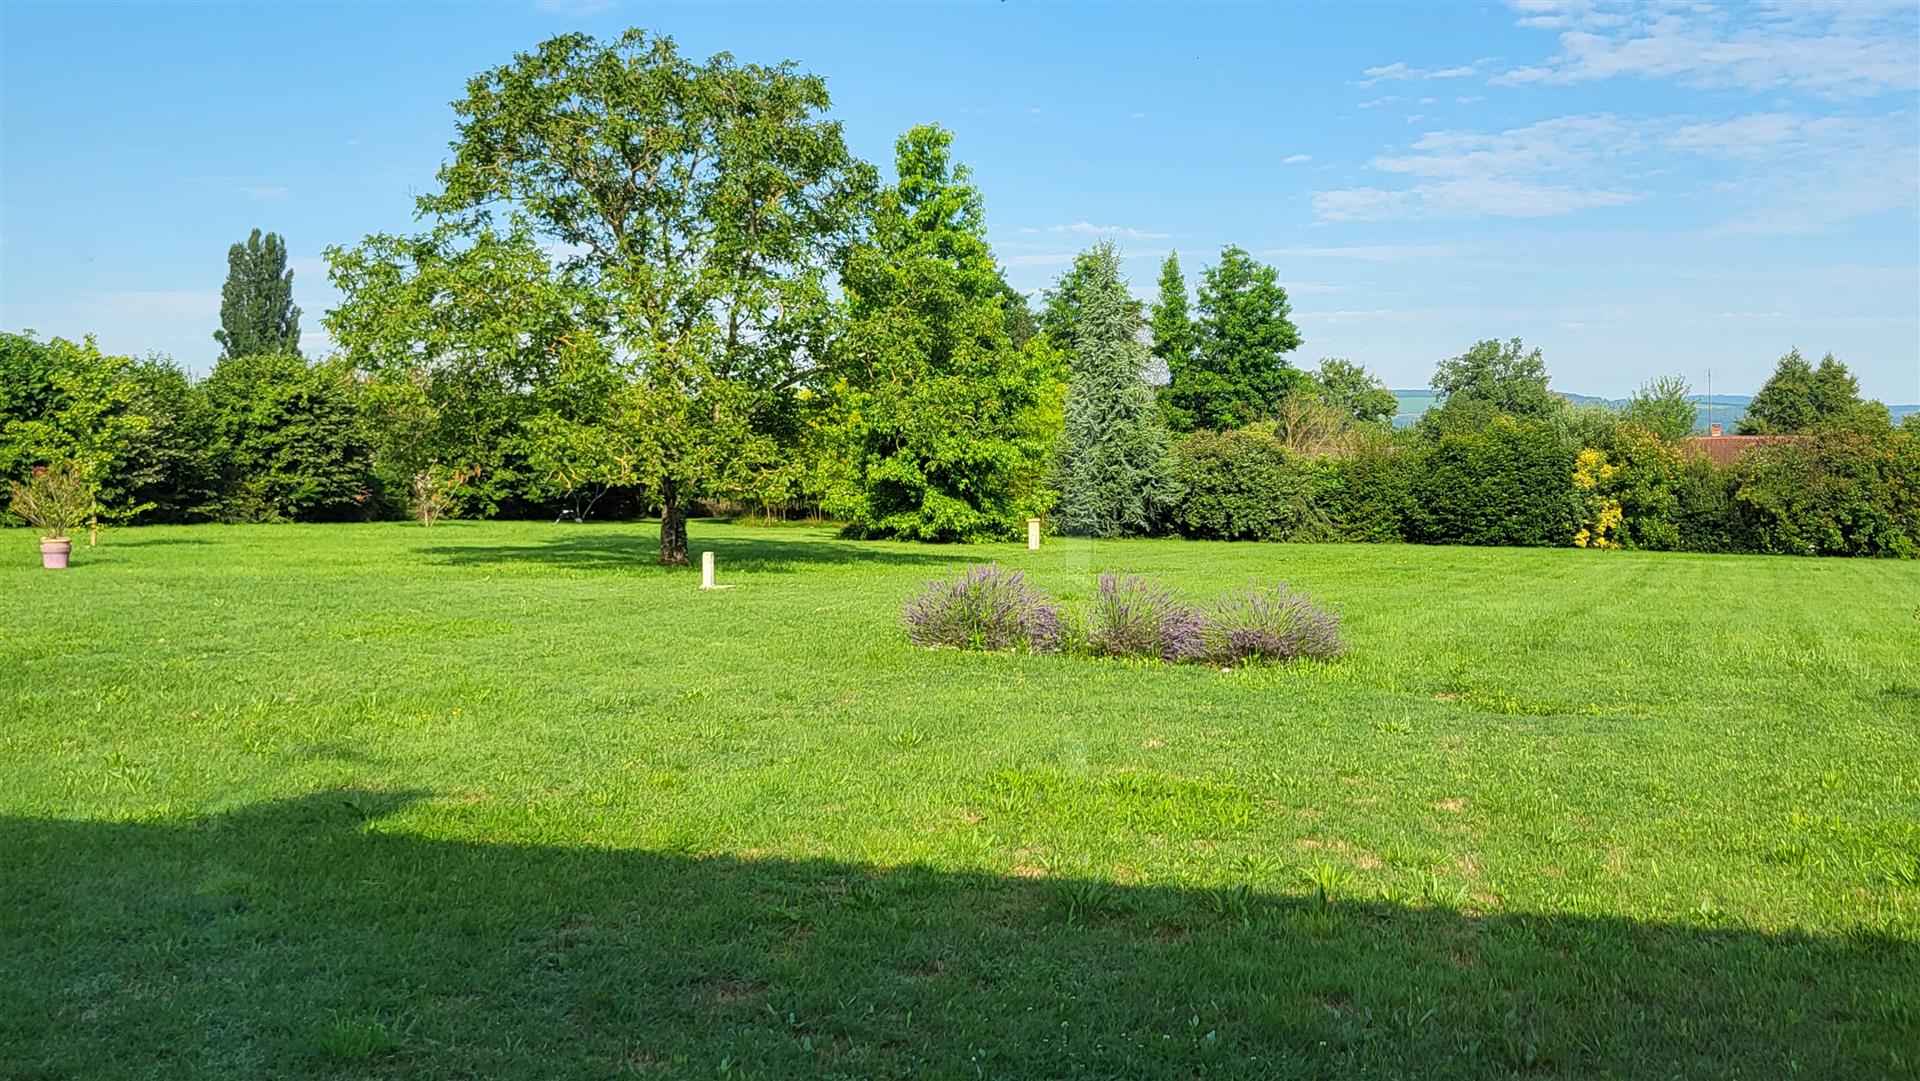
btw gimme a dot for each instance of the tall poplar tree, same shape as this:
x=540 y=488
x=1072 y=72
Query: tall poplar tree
x=257 y=313
x=1114 y=475
x=1238 y=371
x=943 y=427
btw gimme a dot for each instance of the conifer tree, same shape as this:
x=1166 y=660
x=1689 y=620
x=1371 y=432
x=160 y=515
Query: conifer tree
x=1114 y=474
x=1172 y=326
x=1238 y=371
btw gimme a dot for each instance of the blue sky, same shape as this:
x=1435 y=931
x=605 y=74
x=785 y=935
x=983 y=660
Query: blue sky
x=1639 y=190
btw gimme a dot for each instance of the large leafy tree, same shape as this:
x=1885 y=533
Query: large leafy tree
x=1115 y=475
x=1172 y=324
x=1351 y=388
x=257 y=313
x=1496 y=378
x=695 y=209
x=943 y=427
x=1800 y=397
x=1239 y=370
x=1663 y=406
x=465 y=340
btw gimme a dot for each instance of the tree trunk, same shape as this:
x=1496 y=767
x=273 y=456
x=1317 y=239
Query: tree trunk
x=673 y=527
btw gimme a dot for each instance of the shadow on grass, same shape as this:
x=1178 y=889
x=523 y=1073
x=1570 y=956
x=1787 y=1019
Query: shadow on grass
x=298 y=939
x=632 y=549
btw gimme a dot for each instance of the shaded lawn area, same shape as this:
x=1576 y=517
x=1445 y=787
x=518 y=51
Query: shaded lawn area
x=506 y=800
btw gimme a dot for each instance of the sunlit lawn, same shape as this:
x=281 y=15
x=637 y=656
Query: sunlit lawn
x=508 y=800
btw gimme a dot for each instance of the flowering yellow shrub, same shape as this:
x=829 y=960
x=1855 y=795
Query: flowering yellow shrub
x=1601 y=515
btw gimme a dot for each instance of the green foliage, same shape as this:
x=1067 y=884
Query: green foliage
x=257 y=313
x=1061 y=306
x=944 y=430
x=463 y=341
x=1372 y=491
x=1239 y=370
x=291 y=444
x=1508 y=482
x=1663 y=406
x=1351 y=387
x=702 y=207
x=134 y=427
x=1800 y=397
x=1115 y=477
x=53 y=499
x=1504 y=377
x=1243 y=484
x=1834 y=492
x=1173 y=334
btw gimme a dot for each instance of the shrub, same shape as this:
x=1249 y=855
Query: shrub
x=1243 y=485
x=1274 y=623
x=1368 y=499
x=1132 y=617
x=984 y=608
x=54 y=499
x=1508 y=482
x=988 y=608
x=1836 y=492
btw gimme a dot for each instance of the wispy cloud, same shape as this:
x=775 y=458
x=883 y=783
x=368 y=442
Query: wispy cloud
x=1296 y=159
x=263 y=191
x=1831 y=50
x=1399 y=71
x=1539 y=170
x=1087 y=228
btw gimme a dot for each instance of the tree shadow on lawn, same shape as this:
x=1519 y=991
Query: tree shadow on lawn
x=629 y=550
x=296 y=939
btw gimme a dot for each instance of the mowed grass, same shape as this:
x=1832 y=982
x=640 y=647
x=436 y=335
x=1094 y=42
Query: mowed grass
x=510 y=801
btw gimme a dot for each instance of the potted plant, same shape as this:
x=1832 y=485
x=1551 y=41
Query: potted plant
x=55 y=498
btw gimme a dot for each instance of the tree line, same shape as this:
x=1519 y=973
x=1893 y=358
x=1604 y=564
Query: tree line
x=649 y=283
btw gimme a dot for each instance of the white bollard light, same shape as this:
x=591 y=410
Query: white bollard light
x=1033 y=534
x=706 y=570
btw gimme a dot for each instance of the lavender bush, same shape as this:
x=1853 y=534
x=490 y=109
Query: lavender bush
x=1132 y=617
x=984 y=608
x=991 y=608
x=1268 y=623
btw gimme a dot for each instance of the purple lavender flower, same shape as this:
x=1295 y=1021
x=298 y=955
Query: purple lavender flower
x=1268 y=623
x=983 y=608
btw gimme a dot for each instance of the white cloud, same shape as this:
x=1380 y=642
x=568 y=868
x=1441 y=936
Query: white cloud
x=1398 y=71
x=1766 y=172
x=1296 y=159
x=1087 y=228
x=263 y=191
x=1833 y=51
x=1488 y=198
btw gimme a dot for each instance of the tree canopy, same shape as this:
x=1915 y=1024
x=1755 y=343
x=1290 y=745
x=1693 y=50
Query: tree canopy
x=943 y=428
x=1115 y=476
x=1800 y=397
x=1238 y=371
x=257 y=313
x=696 y=211
x=1505 y=377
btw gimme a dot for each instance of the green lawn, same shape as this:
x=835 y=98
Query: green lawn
x=510 y=801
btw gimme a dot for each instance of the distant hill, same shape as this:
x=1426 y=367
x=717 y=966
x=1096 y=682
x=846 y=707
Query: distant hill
x=1726 y=410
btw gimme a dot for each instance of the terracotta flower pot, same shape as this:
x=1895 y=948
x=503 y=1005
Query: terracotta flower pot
x=53 y=553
